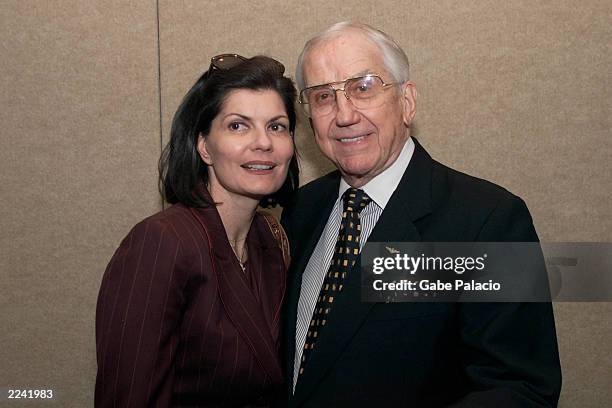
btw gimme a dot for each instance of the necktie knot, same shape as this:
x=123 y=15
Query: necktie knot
x=355 y=200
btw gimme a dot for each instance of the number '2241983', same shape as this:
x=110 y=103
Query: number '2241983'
x=30 y=394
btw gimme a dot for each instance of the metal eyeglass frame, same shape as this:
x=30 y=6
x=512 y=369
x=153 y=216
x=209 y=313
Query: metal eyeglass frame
x=305 y=104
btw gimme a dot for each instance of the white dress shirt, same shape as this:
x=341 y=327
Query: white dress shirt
x=379 y=189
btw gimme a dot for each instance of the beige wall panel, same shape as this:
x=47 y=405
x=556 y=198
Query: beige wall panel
x=517 y=92
x=584 y=332
x=80 y=134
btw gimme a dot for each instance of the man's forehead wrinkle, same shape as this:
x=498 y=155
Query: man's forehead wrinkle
x=324 y=64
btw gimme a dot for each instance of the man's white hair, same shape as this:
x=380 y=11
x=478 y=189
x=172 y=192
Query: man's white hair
x=394 y=58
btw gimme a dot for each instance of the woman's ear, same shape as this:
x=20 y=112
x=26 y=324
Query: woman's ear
x=203 y=151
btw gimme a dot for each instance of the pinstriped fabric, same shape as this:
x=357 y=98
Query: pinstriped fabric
x=346 y=252
x=148 y=301
x=317 y=267
x=184 y=221
x=168 y=332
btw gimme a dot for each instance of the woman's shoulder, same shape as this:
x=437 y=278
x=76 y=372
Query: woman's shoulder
x=264 y=223
x=162 y=220
x=176 y=223
x=173 y=234
x=168 y=216
x=270 y=231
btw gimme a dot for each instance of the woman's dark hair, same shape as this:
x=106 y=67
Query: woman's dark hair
x=182 y=173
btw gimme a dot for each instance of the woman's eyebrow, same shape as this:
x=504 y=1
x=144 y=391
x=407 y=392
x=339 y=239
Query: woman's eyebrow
x=245 y=117
x=279 y=117
x=248 y=118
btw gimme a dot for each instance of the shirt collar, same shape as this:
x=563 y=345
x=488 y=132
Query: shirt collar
x=381 y=187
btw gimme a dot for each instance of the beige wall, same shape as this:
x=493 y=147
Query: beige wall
x=517 y=92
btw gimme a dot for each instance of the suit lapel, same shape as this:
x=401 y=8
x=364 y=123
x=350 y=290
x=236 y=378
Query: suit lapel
x=316 y=209
x=238 y=301
x=410 y=202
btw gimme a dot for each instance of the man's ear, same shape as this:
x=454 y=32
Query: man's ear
x=409 y=96
x=203 y=150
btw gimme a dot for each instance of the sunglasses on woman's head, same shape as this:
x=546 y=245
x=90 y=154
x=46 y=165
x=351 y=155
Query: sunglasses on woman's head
x=228 y=61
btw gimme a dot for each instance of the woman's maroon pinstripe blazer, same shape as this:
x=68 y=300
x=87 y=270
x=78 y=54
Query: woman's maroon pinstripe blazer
x=179 y=324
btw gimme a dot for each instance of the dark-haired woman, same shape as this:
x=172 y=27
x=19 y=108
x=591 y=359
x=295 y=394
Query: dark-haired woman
x=188 y=310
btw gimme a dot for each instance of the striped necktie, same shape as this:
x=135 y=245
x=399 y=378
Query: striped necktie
x=345 y=255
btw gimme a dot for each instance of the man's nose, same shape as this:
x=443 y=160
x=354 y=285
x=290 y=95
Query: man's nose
x=347 y=114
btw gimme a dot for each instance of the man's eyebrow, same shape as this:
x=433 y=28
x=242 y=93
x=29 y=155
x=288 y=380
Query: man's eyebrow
x=364 y=73
x=357 y=75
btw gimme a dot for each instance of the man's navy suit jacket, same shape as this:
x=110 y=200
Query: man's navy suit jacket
x=422 y=354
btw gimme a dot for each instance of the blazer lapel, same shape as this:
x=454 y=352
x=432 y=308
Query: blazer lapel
x=267 y=269
x=410 y=201
x=236 y=297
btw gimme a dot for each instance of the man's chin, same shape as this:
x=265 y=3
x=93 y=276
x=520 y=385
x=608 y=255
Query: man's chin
x=357 y=176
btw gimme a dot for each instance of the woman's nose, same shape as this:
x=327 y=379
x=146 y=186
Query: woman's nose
x=262 y=141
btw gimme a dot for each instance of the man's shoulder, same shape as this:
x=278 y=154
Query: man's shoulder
x=312 y=198
x=443 y=187
x=317 y=191
x=320 y=185
x=453 y=186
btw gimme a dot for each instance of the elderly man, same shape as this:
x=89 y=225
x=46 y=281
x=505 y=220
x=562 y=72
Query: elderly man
x=340 y=351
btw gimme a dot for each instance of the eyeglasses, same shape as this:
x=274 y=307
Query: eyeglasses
x=224 y=62
x=364 y=92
